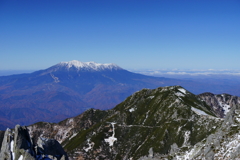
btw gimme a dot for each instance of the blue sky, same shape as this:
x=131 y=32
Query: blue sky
x=136 y=34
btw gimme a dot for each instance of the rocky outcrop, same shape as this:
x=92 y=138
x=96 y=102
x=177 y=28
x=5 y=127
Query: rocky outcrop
x=50 y=147
x=17 y=145
x=220 y=103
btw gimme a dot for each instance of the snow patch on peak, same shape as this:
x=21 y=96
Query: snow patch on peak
x=90 y=145
x=132 y=109
x=198 y=111
x=89 y=65
x=111 y=139
x=182 y=90
x=179 y=94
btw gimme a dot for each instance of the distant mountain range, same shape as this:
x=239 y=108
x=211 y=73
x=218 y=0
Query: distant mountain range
x=69 y=88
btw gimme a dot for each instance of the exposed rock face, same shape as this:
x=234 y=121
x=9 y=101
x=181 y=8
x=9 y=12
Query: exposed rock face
x=5 y=149
x=221 y=103
x=17 y=145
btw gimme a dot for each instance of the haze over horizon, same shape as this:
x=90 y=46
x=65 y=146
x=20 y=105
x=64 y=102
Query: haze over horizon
x=132 y=34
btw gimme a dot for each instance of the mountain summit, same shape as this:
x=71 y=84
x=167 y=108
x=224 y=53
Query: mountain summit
x=87 y=66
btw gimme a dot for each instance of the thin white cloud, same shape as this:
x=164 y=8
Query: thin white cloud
x=191 y=72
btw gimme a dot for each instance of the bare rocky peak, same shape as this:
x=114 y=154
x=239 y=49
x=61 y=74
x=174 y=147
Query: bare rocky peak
x=220 y=103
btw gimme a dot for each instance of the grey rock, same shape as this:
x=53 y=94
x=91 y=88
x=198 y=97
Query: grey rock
x=5 y=149
x=174 y=148
x=22 y=142
x=52 y=148
x=17 y=144
x=219 y=102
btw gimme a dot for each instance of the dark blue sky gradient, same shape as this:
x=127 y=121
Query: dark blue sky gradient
x=190 y=34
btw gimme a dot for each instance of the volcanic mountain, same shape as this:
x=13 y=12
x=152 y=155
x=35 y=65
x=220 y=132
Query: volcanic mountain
x=69 y=88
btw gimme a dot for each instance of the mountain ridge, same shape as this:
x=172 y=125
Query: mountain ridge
x=158 y=113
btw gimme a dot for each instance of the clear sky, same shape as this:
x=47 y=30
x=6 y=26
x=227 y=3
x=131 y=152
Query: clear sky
x=153 y=34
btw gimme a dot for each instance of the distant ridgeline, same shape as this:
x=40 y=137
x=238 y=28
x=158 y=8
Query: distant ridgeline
x=163 y=123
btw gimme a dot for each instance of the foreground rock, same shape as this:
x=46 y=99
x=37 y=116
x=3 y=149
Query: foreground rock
x=17 y=145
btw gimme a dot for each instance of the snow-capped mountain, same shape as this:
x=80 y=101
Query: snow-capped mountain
x=88 y=66
x=78 y=66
